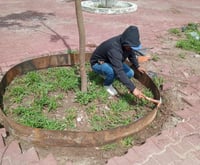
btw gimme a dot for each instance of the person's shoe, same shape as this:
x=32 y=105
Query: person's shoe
x=111 y=90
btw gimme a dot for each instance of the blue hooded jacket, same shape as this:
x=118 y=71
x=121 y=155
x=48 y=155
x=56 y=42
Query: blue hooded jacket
x=111 y=51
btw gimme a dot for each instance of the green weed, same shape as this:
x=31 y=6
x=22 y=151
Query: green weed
x=72 y=51
x=109 y=147
x=189 y=44
x=127 y=141
x=119 y=106
x=147 y=93
x=34 y=118
x=85 y=97
x=70 y=117
x=192 y=27
x=155 y=57
x=98 y=122
x=114 y=119
x=175 y=31
x=19 y=92
x=158 y=81
x=191 y=41
x=47 y=89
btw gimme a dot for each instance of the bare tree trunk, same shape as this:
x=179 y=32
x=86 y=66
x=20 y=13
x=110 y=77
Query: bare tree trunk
x=81 y=29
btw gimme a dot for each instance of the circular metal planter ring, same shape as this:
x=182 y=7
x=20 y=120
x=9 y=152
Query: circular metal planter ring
x=119 y=8
x=69 y=138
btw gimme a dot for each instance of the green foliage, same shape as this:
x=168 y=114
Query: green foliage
x=189 y=44
x=175 y=31
x=118 y=120
x=31 y=78
x=191 y=40
x=109 y=147
x=70 y=117
x=120 y=106
x=33 y=117
x=85 y=97
x=46 y=89
x=19 y=92
x=93 y=92
x=147 y=93
x=72 y=51
x=192 y=27
x=91 y=110
x=139 y=115
x=97 y=122
x=64 y=78
x=127 y=141
x=158 y=81
x=155 y=57
x=46 y=101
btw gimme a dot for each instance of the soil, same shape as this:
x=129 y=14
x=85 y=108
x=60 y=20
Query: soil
x=175 y=70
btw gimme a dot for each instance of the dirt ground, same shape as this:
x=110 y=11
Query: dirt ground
x=175 y=66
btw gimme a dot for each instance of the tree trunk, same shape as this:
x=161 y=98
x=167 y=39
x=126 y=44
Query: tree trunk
x=81 y=29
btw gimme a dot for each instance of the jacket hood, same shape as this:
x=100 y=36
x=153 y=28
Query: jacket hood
x=130 y=37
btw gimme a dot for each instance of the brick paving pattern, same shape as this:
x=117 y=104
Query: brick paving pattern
x=11 y=154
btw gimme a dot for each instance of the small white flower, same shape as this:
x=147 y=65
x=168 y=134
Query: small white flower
x=79 y=119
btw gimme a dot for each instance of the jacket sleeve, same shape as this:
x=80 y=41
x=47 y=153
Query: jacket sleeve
x=133 y=59
x=115 y=58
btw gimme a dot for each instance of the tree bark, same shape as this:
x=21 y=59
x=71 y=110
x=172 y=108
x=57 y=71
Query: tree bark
x=81 y=29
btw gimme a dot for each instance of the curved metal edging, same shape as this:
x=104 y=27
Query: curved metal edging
x=69 y=138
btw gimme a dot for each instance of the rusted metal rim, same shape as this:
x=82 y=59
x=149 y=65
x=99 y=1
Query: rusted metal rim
x=69 y=138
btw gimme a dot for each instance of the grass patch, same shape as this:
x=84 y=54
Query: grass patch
x=155 y=57
x=158 y=81
x=51 y=99
x=175 y=31
x=109 y=147
x=127 y=141
x=190 y=37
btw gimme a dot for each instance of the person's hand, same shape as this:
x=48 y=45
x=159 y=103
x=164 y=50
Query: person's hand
x=138 y=93
x=141 y=70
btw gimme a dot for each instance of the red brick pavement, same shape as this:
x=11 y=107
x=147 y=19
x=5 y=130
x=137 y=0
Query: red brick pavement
x=11 y=154
x=31 y=28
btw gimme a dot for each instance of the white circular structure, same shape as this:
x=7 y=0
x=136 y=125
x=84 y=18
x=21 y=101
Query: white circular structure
x=119 y=8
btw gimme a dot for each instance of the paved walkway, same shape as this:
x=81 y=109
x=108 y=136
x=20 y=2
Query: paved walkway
x=13 y=155
x=32 y=28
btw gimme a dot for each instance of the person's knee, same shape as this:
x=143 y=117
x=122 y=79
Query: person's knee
x=130 y=73
x=96 y=68
x=108 y=70
x=111 y=75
